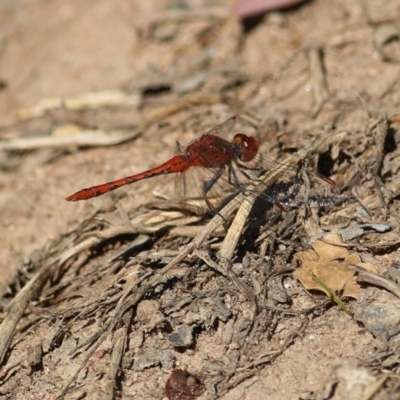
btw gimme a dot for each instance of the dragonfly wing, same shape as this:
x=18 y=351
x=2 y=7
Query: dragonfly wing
x=279 y=183
x=190 y=183
x=298 y=188
x=181 y=184
x=288 y=185
x=223 y=129
x=194 y=184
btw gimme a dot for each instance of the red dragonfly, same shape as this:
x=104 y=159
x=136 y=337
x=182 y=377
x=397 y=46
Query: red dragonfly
x=237 y=161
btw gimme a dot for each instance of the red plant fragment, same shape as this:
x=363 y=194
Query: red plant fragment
x=183 y=386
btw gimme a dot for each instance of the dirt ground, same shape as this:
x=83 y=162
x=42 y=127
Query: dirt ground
x=106 y=298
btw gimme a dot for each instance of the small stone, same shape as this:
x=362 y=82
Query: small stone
x=182 y=337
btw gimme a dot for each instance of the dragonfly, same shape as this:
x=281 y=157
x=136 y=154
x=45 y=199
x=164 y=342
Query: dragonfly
x=220 y=163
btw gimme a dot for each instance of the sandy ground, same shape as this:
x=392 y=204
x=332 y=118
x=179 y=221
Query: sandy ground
x=296 y=74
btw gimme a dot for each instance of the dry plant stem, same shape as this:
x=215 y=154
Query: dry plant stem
x=365 y=276
x=33 y=287
x=379 y=127
x=226 y=270
x=18 y=306
x=239 y=377
x=363 y=206
x=81 y=139
x=269 y=356
x=303 y=73
x=163 y=275
x=101 y=337
x=101 y=236
x=101 y=138
x=6 y=369
x=122 y=305
x=247 y=199
x=248 y=371
x=300 y=312
x=196 y=98
x=132 y=297
x=116 y=356
x=373 y=389
x=231 y=240
x=390 y=87
x=318 y=76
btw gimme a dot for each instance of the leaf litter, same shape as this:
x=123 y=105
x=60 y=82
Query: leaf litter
x=133 y=296
x=330 y=262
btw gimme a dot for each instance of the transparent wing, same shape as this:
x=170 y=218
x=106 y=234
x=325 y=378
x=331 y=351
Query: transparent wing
x=290 y=186
x=223 y=129
x=180 y=185
x=279 y=183
x=190 y=184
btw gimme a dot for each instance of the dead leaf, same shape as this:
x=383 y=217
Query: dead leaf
x=329 y=261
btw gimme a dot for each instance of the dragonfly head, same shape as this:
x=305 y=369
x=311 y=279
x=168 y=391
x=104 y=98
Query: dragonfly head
x=247 y=146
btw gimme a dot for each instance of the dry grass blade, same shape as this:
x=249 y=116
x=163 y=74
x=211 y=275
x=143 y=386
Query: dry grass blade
x=247 y=199
x=120 y=338
x=136 y=289
x=374 y=279
x=318 y=75
x=81 y=139
x=87 y=138
x=99 y=237
x=18 y=306
x=109 y=309
x=163 y=275
x=227 y=271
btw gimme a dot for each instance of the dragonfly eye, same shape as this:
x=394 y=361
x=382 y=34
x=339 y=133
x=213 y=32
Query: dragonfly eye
x=247 y=146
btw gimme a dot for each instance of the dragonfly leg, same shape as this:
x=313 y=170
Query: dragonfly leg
x=244 y=168
x=233 y=179
x=208 y=186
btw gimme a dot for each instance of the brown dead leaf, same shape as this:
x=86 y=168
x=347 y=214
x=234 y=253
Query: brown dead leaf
x=329 y=261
